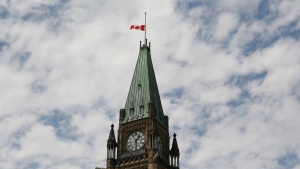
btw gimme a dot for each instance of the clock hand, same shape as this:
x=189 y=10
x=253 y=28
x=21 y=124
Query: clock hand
x=135 y=140
x=135 y=144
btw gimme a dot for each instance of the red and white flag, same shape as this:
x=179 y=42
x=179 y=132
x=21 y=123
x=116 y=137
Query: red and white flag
x=138 y=27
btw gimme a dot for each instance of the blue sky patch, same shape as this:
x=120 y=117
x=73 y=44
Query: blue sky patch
x=258 y=43
x=175 y=95
x=242 y=80
x=61 y=124
x=20 y=59
x=3 y=45
x=3 y=13
x=235 y=103
x=38 y=86
x=200 y=130
x=263 y=10
x=178 y=92
x=290 y=30
x=15 y=146
x=21 y=133
x=187 y=5
x=41 y=13
x=44 y=12
x=181 y=63
x=99 y=103
x=288 y=161
x=32 y=165
x=261 y=42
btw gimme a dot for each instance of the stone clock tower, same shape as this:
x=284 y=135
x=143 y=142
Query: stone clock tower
x=143 y=140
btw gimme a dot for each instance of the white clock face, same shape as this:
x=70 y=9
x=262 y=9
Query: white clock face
x=159 y=145
x=135 y=141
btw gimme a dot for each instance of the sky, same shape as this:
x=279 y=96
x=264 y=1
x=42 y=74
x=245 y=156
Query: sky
x=228 y=73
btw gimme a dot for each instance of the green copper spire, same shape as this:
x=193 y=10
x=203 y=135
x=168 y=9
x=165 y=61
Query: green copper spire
x=143 y=89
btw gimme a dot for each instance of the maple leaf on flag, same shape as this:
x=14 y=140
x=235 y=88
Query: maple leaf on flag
x=138 y=27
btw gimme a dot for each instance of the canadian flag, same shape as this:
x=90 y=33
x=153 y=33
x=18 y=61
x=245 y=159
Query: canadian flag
x=138 y=27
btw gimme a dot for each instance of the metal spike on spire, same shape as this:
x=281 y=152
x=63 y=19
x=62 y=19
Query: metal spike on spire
x=145 y=30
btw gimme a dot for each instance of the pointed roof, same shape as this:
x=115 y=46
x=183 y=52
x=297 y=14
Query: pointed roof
x=111 y=142
x=143 y=89
x=174 y=149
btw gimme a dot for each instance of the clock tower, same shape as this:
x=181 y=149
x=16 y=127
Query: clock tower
x=143 y=140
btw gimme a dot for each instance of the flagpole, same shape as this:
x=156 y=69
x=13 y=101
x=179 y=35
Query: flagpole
x=145 y=30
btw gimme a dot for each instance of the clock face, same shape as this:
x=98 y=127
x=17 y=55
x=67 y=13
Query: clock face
x=159 y=145
x=135 y=141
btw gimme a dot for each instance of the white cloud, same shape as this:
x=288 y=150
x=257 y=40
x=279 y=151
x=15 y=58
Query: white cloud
x=78 y=58
x=238 y=6
x=288 y=11
x=227 y=22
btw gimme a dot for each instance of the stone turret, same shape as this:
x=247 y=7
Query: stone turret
x=174 y=154
x=111 y=149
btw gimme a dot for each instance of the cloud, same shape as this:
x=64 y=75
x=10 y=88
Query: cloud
x=227 y=72
x=226 y=23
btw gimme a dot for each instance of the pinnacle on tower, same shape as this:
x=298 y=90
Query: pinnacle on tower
x=111 y=144
x=174 y=153
x=174 y=149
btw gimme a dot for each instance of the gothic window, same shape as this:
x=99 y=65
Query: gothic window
x=141 y=109
x=131 y=111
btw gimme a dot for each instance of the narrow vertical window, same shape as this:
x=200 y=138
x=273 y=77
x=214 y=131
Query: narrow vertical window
x=131 y=111
x=141 y=109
